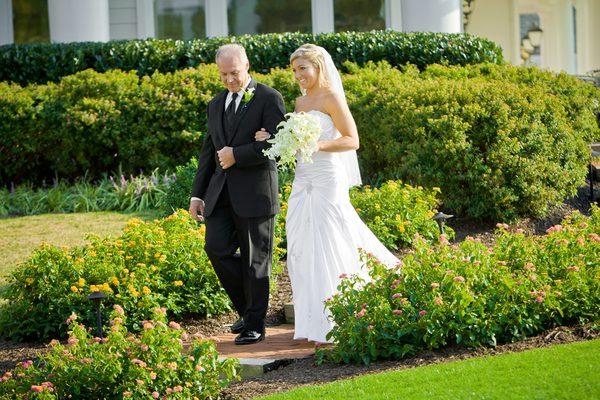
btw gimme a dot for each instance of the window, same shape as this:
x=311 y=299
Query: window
x=30 y=21
x=359 y=15
x=268 y=16
x=179 y=19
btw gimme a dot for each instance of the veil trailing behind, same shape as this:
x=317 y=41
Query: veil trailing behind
x=324 y=232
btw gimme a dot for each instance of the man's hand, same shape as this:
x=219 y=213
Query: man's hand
x=226 y=158
x=197 y=210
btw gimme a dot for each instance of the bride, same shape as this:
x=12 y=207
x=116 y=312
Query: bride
x=324 y=232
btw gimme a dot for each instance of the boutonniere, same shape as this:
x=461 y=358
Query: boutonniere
x=248 y=95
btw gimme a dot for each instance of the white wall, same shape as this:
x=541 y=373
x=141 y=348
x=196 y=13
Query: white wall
x=123 y=19
x=78 y=20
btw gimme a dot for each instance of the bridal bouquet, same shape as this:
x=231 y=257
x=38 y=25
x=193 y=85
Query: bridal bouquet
x=296 y=136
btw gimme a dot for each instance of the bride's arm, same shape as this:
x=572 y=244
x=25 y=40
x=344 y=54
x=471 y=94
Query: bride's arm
x=336 y=106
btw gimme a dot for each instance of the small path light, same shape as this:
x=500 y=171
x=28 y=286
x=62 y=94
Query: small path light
x=441 y=218
x=97 y=297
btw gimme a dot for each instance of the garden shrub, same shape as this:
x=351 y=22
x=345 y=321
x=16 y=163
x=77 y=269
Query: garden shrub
x=396 y=212
x=40 y=63
x=178 y=193
x=500 y=141
x=497 y=149
x=470 y=294
x=150 y=365
x=154 y=264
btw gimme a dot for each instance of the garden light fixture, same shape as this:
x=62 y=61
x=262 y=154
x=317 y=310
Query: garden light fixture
x=97 y=297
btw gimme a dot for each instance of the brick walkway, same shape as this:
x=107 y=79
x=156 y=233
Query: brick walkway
x=278 y=344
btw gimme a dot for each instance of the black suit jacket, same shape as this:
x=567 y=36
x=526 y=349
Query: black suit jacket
x=252 y=180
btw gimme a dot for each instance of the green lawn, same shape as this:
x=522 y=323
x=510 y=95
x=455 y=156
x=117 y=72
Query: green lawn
x=560 y=372
x=19 y=236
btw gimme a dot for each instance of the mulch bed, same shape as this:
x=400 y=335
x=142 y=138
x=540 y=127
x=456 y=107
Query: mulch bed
x=305 y=372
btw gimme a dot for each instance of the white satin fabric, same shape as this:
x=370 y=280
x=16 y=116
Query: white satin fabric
x=324 y=233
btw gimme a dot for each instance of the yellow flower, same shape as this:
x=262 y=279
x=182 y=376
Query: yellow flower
x=146 y=290
x=157 y=255
x=141 y=265
x=163 y=258
x=74 y=289
x=94 y=288
x=133 y=291
x=81 y=282
x=29 y=280
x=178 y=283
x=115 y=281
x=128 y=257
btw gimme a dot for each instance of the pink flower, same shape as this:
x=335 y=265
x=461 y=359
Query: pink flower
x=73 y=341
x=361 y=313
x=37 y=388
x=118 y=309
x=153 y=375
x=573 y=268
x=343 y=276
x=174 y=325
x=144 y=347
x=555 y=228
x=370 y=327
x=502 y=226
x=594 y=236
x=438 y=301
x=459 y=279
x=86 y=360
x=54 y=342
x=539 y=299
x=396 y=295
x=155 y=395
x=533 y=277
x=178 y=389
x=581 y=241
x=72 y=317
x=116 y=321
x=422 y=313
x=444 y=239
x=529 y=267
x=148 y=325
x=503 y=263
x=519 y=231
x=27 y=364
x=397 y=312
x=435 y=285
x=139 y=382
x=199 y=368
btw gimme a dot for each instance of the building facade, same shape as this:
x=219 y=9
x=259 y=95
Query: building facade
x=565 y=29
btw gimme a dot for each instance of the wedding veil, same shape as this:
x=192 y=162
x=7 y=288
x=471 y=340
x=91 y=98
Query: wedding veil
x=348 y=158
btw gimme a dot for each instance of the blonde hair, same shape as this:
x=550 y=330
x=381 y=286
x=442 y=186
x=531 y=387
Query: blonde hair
x=312 y=53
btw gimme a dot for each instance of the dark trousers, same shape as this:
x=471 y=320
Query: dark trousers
x=244 y=276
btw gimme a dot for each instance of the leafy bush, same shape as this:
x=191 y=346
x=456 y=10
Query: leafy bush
x=40 y=63
x=178 y=193
x=396 y=212
x=497 y=148
x=122 y=365
x=160 y=263
x=500 y=141
x=470 y=294
x=139 y=193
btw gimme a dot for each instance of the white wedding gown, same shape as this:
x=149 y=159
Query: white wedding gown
x=324 y=233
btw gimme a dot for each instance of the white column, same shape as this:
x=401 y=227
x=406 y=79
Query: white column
x=78 y=21
x=393 y=14
x=569 y=62
x=322 y=16
x=6 y=22
x=432 y=16
x=145 y=19
x=216 y=18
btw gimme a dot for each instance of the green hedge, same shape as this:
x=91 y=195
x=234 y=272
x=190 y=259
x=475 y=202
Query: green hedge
x=40 y=63
x=500 y=141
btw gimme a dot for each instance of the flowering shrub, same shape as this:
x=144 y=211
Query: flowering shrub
x=395 y=212
x=151 y=365
x=160 y=263
x=470 y=294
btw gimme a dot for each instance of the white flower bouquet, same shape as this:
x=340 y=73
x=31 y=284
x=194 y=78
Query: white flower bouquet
x=296 y=136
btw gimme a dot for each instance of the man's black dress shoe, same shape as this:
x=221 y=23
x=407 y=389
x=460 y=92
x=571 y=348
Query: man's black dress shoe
x=237 y=326
x=249 y=337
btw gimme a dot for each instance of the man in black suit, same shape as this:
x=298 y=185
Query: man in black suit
x=235 y=190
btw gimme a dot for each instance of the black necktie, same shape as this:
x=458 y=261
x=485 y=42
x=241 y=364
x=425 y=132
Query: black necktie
x=230 y=111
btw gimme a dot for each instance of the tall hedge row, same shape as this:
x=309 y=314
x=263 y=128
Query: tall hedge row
x=499 y=141
x=41 y=63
